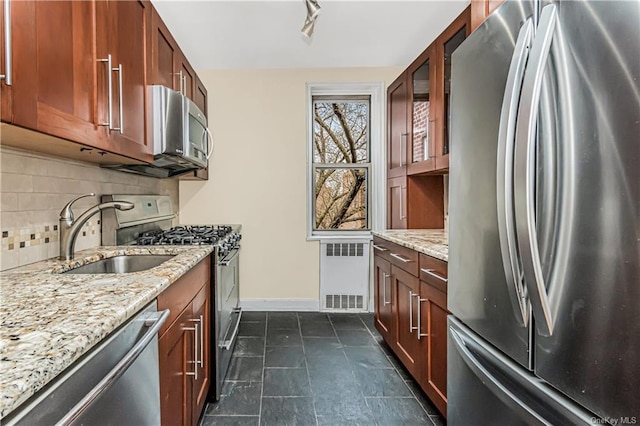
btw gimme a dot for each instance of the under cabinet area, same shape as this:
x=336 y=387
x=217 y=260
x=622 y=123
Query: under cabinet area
x=410 y=298
x=184 y=347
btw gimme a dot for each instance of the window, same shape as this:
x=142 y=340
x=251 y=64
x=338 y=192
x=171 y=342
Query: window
x=345 y=195
x=341 y=163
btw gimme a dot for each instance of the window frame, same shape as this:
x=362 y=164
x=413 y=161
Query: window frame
x=376 y=195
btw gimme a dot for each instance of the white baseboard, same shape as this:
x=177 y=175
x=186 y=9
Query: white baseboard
x=312 y=305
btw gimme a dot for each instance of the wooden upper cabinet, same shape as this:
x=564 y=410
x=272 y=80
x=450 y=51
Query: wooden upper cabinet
x=60 y=83
x=186 y=76
x=397 y=131
x=481 y=9
x=200 y=96
x=127 y=47
x=164 y=55
x=168 y=66
x=419 y=110
x=446 y=44
x=423 y=117
x=53 y=65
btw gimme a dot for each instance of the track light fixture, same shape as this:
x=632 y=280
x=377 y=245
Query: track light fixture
x=313 y=10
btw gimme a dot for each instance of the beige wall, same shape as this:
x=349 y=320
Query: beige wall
x=258 y=173
x=36 y=187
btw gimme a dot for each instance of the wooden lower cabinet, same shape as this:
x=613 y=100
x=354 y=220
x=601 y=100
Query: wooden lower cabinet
x=408 y=346
x=383 y=297
x=184 y=348
x=413 y=322
x=175 y=351
x=433 y=377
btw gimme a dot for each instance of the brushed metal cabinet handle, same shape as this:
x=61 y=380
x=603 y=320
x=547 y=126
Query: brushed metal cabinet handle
x=109 y=122
x=8 y=65
x=411 y=327
x=384 y=289
x=420 y=333
x=431 y=272
x=179 y=74
x=401 y=258
x=119 y=69
x=194 y=373
x=379 y=248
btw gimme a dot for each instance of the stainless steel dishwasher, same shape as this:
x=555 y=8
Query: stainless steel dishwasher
x=116 y=383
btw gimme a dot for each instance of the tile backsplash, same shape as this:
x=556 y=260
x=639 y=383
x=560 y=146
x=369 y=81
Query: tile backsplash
x=35 y=187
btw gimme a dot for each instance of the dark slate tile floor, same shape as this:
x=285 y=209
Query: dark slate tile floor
x=312 y=368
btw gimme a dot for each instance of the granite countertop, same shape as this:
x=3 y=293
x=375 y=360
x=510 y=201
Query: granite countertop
x=432 y=242
x=48 y=320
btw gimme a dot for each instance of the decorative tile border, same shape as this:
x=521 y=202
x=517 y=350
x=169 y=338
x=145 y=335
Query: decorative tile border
x=17 y=238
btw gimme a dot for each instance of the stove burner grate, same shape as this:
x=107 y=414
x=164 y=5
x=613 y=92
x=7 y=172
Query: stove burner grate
x=185 y=235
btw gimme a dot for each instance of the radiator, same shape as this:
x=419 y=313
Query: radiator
x=344 y=275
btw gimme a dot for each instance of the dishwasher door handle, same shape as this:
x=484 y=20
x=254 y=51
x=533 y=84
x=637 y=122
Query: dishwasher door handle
x=154 y=321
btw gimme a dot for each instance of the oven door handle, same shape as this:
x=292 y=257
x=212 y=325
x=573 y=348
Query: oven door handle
x=226 y=262
x=227 y=343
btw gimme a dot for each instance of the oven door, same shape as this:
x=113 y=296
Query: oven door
x=228 y=313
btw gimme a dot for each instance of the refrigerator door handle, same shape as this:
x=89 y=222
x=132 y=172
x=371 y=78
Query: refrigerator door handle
x=504 y=174
x=464 y=346
x=525 y=152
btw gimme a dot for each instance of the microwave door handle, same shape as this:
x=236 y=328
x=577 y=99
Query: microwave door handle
x=209 y=142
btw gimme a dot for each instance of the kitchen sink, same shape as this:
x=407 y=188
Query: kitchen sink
x=122 y=264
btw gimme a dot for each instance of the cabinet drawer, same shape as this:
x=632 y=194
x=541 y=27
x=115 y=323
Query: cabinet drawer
x=404 y=258
x=433 y=271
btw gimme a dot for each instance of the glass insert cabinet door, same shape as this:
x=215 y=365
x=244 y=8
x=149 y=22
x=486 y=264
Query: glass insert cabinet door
x=449 y=47
x=421 y=108
x=421 y=116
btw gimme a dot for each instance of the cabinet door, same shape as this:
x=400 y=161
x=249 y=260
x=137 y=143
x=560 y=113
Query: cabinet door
x=397 y=203
x=383 y=298
x=175 y=352
x=446 y=44
x=54 y=69
x=5 y=90
x=200 y=97
x=433 y=378
x=186 y=74
x=423 y=118
x=164 y=54
x=201 y=383
x=407 y=289
x=128 y=48
x=397 y=101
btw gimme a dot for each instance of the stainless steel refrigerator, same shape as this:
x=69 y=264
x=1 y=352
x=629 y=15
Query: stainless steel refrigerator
x=544 y=234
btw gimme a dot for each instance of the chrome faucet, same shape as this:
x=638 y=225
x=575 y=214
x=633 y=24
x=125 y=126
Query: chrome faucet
x=70 y=227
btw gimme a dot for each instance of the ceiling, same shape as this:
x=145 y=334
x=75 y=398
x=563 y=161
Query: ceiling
x=266 y=34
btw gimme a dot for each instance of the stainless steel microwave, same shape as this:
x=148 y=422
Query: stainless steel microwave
x=180 y=138
x=179 y=128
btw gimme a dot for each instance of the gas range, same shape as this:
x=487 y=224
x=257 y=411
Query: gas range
x=150 y=223
x=224 y=237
